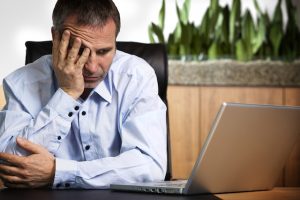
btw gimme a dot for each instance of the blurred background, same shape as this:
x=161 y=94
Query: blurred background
x=31 y=20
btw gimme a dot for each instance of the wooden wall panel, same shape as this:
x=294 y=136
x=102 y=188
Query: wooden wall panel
x=292 y=169
x=184 y=121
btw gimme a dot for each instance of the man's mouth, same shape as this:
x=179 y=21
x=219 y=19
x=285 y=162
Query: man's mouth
x=90 y=78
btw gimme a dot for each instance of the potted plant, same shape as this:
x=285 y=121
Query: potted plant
x=228 y=33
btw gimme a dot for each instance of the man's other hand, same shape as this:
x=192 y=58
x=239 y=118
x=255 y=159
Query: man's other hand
x=34 y=171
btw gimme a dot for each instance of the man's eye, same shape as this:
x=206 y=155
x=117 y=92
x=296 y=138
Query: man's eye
x=102 y=51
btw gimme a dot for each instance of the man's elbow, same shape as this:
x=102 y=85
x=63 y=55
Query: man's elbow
x=157 y=172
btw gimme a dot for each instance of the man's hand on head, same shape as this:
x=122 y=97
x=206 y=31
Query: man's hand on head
x=34 y=171
x=68 y=63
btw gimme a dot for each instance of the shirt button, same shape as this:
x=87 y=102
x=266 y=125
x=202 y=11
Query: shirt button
x=67 y=185
x=70 y=114
x=83 y=113
x=87 y=147
x=59 y=137
x=76 y=108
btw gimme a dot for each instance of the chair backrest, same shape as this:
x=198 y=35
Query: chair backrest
x=154 y=54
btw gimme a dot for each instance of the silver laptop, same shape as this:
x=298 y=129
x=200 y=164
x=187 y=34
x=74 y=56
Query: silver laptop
x=246 y=150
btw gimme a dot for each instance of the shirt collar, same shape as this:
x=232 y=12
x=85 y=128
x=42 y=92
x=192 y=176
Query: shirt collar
x=104 y=89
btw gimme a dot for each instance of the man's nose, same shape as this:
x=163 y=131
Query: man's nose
x=91 y=65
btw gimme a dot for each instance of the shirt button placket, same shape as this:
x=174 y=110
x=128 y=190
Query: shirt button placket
x=87 y=147
x=84 y=126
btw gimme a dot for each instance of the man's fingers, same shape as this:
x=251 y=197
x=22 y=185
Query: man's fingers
x=17 y=186
x=83 y=58
x=55 y=45
x=9 y=170
x=73 y=52
x=63 y=45
x=12 y=159
x=30 y=147
x=13 y=181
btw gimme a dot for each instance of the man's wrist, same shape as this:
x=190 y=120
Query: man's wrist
x=74 y=95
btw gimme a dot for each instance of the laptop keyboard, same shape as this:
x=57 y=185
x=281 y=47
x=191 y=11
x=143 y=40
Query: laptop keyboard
x=178 y=183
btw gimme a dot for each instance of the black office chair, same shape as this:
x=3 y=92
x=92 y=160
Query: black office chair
x=154 y=54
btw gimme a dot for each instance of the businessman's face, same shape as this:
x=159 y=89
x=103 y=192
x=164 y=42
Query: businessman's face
x=102 y=44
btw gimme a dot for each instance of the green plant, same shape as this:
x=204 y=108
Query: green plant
x=226 y=32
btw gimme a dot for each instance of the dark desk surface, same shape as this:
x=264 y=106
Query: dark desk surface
x=12 y=194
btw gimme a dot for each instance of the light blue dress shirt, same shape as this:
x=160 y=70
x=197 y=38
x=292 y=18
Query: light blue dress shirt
x=117 y=135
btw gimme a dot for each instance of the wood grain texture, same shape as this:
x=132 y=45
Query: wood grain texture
x=292 y=169
x=184 y=121
x=275 y=194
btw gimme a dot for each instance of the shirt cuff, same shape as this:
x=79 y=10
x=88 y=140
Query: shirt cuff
x=65 y=174
x=64 y=105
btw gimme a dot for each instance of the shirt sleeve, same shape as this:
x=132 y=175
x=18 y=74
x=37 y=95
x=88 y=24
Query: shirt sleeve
x=48 y=128
x=143 y=151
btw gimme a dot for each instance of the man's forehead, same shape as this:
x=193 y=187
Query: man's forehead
x=72 y=20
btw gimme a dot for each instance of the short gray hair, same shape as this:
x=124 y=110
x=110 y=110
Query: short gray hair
x=88 y=12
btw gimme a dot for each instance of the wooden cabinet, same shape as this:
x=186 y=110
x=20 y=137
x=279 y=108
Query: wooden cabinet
x=193 y=108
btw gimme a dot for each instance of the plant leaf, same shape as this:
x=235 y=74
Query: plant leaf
x=214 y=6
x=158 y=32
x=150 y=34
x=242 y=51
x=214 y=51
x=225 y=26
x=172 y=45
x=183 y=14
x=260 y=36
x=258 y=10
x=247 y=26
x=248 y=31
x=234 y=22
x=277 y=18
x=213 y=15
x=276 y=35
x=186 y=11
x=161 y=21
x=178 y=32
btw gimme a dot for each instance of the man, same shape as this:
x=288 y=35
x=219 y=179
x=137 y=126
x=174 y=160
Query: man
x=88 y=115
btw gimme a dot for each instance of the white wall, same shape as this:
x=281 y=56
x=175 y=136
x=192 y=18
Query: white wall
x=23 y=20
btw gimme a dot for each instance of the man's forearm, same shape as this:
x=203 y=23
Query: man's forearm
x=130 y=166
x=48 y=128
